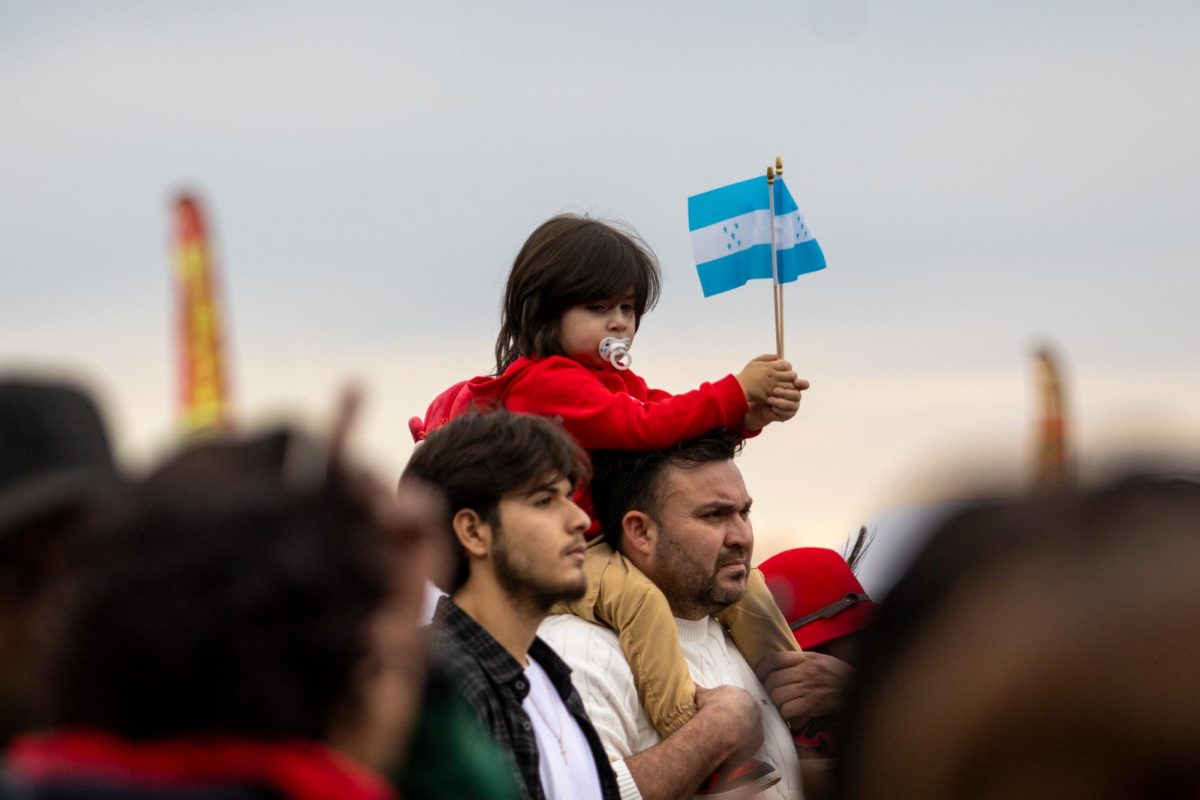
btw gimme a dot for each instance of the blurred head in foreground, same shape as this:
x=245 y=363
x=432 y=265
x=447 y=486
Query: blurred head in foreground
x=1039 y=648
x=247 y=591
x=55 y=461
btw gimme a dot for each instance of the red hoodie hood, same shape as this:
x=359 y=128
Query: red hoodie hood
x=478 y=394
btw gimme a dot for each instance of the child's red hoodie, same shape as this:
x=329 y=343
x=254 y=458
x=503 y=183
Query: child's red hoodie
x=602 y=407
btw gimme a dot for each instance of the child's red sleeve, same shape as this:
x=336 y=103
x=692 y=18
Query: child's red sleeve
x=604 y=417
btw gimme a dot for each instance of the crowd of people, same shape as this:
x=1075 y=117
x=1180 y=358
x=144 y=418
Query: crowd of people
x=247 y=619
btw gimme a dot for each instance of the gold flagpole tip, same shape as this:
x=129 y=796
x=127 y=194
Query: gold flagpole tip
x=770 y=174
x=779 y=164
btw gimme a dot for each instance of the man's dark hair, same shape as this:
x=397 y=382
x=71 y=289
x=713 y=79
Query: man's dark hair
x=568 y=260
x=228 y=593
x=478 y=458
x=626 y=480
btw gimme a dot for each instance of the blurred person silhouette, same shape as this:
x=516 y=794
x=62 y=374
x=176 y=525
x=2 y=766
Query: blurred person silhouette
x=827 y=609
x=55 y=460
x=452 y=754
x=241 y=624
x=1041 y=647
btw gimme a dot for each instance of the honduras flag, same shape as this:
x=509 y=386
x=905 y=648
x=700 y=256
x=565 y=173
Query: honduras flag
x=731 y=237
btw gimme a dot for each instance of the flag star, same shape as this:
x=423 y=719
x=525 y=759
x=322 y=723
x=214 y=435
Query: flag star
x=736 y=225
x=725 y=228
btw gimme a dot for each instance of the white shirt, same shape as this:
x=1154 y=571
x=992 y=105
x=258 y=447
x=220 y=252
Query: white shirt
x=603 y=678
x=429 y=603
x=565 y=761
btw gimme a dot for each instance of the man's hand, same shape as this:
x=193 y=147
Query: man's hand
x=727 y=724
x=803 y=685
x=732 y=718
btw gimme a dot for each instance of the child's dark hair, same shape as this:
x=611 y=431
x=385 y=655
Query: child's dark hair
x=568 y=260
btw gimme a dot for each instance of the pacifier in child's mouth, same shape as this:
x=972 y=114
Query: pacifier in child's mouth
x=616 y=351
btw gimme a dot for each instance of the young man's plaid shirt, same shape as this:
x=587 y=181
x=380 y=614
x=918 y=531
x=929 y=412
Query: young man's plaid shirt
x=494 y=684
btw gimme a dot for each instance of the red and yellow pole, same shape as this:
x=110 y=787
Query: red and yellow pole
x=203 y=399
x=1053 y=468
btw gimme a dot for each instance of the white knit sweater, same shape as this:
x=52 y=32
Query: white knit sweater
x=602 y=676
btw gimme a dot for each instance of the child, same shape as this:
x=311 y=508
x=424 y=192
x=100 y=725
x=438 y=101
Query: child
x=575 y=282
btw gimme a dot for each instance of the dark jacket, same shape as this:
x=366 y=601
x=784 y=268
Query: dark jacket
x=494 y=685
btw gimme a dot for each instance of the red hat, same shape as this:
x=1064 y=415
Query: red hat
x=818 y=594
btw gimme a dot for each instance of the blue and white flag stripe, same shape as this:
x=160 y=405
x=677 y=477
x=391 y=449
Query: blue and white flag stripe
x=731 y=237
x=737 y=198
x=733 y=271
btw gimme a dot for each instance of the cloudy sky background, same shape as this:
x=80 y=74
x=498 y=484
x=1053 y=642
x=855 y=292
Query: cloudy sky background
x=982 y=177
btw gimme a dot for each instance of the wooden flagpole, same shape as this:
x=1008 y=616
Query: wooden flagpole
x=777 y=288
x=778 y=285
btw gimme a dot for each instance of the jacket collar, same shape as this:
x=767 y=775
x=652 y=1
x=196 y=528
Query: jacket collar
x=497 y=663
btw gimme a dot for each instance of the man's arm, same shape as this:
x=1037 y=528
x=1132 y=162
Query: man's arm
x=728 y=719
x=728 y=723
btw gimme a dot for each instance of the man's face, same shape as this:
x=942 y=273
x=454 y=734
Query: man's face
x=701 y=558
x=538 y=546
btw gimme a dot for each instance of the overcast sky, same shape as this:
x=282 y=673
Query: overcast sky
x=982 y=176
